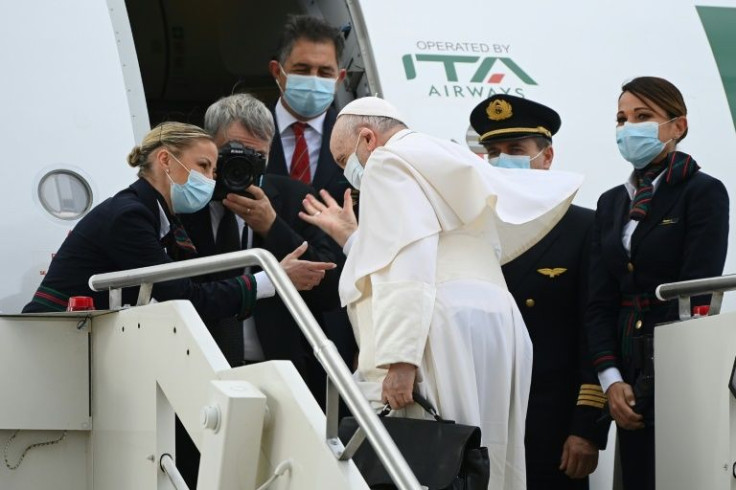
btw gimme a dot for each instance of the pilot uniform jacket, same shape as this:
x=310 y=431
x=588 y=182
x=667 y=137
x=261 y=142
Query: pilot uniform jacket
x=549 y=284
x=124 y=232
x=684 y=236
x=279 y=335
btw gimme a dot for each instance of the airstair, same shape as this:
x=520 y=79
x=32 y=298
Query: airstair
x=89 y=398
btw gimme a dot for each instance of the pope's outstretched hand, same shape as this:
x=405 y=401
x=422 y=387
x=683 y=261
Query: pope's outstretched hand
x=337 y=221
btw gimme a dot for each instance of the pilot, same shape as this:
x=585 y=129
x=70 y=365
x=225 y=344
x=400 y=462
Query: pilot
x=548 y=283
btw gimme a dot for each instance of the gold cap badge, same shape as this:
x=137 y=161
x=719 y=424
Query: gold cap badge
x=498 y=110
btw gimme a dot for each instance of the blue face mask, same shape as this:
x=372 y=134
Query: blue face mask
x=192 y=195
x=513 y=161
x=639 y=143
x=308 y=96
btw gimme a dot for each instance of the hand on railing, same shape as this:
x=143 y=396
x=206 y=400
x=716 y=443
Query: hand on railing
x=304 y=274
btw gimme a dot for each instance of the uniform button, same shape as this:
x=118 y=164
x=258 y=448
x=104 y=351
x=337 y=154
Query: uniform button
x=630 y=267
x=638 y=324
x=529 y=303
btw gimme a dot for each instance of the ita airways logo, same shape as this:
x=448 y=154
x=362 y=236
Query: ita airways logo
x=491 y=71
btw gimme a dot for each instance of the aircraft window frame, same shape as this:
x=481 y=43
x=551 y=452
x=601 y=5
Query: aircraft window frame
x=65 y=194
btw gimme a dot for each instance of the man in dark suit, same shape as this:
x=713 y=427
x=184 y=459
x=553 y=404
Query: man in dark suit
x=268 y=219
x=548 y=283
x=307 y=74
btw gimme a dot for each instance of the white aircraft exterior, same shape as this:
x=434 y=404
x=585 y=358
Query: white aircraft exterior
x=81 y=80
x=73 y=99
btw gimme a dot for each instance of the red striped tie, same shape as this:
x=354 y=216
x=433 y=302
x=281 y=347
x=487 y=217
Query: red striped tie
x=300 y=159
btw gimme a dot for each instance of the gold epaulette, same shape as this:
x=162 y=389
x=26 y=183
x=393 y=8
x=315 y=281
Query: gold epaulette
x=592 y=396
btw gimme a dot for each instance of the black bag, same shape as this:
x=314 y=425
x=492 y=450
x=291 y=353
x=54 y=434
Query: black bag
x=442 y=454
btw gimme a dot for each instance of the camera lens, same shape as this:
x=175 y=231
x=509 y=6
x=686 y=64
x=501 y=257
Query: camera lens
x=238 y=167
x=238 y=174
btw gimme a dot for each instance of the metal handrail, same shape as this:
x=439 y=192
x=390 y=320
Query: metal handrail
x=324 y=349
x=683 y=290
x=168 y=466
x=695 y=287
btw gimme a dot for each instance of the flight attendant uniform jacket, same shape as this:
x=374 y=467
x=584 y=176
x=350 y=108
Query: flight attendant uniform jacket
x=134 y=229
x=684 y=236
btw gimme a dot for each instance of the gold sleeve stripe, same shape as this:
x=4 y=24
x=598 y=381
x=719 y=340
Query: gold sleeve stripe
x=590 y=404
x=591 y=387
x=595 y=401
x=591 y=393
x=593 y=398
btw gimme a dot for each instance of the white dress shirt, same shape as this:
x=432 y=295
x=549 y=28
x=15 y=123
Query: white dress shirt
x=612 y=375
x=312 y=133
x=264 y=287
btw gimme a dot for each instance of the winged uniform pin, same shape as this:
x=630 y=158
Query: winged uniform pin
x=552 y=272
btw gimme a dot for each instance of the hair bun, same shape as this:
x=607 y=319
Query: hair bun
x=134 y=157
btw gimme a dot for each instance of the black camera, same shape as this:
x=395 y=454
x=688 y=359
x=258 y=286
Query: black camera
x=238 y=167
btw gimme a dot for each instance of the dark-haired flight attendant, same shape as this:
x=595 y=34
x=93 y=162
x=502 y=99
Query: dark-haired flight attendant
x=668 y=222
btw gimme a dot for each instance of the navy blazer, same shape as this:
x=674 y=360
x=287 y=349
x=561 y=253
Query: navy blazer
x=329 y=175
x=123 y=233
x=684 y=236
x=279 y=335
x=549 y=284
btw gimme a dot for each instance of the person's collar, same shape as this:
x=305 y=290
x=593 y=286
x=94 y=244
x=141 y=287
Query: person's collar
x=149 y=195
x=285 y=119
x=398 y=135
x=165 y=225
x=630 y=184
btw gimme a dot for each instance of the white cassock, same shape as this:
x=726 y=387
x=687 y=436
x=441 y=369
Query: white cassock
x=423 y=283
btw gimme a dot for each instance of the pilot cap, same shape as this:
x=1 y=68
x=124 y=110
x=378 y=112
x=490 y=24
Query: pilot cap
x=372 y=106
x=503 y=117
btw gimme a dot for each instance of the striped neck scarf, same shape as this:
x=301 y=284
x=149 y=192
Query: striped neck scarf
x=178 y=243
x=677 y=166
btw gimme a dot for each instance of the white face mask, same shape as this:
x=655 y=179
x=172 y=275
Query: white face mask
x=353 y=169
x=513 y=161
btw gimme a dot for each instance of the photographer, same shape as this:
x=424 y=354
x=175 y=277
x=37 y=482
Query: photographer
x=267 y=218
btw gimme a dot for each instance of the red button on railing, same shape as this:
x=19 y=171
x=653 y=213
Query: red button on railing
x=80 y=303
x=701 y=310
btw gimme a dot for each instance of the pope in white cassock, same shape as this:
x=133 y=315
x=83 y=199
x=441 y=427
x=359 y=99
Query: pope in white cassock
x=422 y=281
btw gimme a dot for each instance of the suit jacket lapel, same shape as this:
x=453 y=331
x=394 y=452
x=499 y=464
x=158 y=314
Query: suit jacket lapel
x=326 y=166
x=664 y=198
x=621 y=216
x=276 y=161
x=276 y=203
